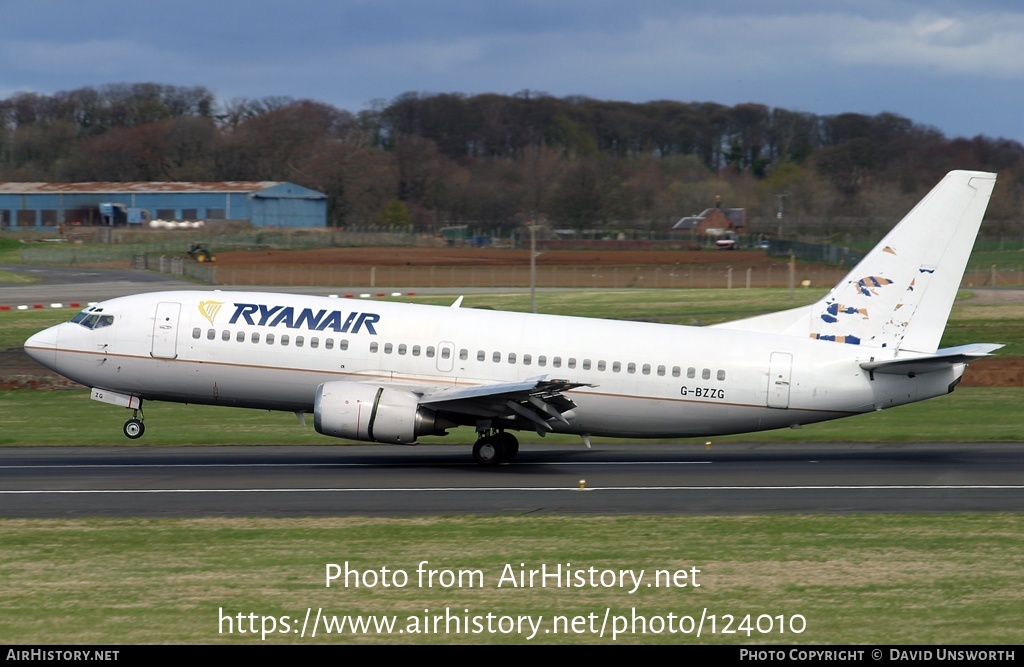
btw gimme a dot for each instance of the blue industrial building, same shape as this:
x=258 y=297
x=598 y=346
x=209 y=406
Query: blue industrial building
x=40 y=206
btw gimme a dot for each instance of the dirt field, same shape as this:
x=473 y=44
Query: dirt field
x=487 y=267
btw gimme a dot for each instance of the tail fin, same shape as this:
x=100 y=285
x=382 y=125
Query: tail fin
x=900 y=295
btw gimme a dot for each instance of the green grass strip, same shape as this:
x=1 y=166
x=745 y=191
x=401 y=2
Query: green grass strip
x=874 y=579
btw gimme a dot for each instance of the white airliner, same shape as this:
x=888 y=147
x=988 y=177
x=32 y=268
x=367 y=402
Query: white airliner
x=392 y=372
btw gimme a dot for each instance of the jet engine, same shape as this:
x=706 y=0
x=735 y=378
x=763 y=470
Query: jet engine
x=376 y=414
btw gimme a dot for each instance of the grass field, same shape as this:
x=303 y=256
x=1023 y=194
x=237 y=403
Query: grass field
x=839 y=579
x=884 y=579
x=1001 y=259
x=69 y=417
x=11 y=278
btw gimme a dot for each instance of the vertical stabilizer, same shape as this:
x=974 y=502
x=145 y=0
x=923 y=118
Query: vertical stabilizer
x=900 y=295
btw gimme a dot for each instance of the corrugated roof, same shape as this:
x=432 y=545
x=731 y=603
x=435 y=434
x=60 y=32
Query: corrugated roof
x=148 y=186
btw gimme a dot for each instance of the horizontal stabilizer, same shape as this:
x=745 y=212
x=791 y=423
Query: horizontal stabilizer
x=942 y=359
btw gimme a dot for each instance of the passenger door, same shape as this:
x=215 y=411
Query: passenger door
x=165 y=330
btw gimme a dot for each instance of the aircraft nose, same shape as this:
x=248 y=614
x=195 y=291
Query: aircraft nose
x=43 y=347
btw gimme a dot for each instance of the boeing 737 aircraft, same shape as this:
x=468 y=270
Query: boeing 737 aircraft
x=392 y=372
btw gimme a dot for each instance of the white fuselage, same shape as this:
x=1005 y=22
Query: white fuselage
x=272 y=351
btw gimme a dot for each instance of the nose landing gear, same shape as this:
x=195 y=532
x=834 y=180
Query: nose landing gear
x=134 y=427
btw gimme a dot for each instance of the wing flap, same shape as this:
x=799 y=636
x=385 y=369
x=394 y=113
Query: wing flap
x=538 y=401
x=538 y=387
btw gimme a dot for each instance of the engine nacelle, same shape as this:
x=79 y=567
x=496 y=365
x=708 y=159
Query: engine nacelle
x=367 y=412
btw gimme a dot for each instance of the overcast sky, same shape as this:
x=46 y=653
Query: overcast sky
x=955 y=64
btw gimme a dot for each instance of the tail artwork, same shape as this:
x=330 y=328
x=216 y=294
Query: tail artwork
x=898 y=298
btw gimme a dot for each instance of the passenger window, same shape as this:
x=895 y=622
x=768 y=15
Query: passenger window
x=446 y=353
x=542 y=360
x=601 y=365
x=676 y=371
x=586 y=364
x=373 y=348
x=616 y=367
x=225 y=335
x=314 y=342
x=240 y=337
x=511 y=357
x=430 y=351
x=481 y=355
x=299 y=340
x=571 y=363
x=646 y=369
x=285 y=339
x=557 y=362
x=631 y=368
x=402 y=349
x=211 y=335
x=527 y=359
x=197 y=332
x=343 y=344
x=706 y=374
x=496 y=357
x=329 y=343
x=463 y=354
x=255 y=338
x=721 y=375
x=691 y=372
x=661 y=370
x=416 y=350
x=270 y=339
x=388 y=347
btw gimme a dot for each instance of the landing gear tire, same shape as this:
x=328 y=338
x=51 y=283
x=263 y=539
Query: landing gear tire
x=486 y=452
x=496 y=448
x=508 y=445
x=134 y=428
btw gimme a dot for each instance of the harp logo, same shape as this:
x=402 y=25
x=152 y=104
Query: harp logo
x=209 y=309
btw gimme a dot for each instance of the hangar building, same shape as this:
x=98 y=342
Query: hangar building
x=40 y=206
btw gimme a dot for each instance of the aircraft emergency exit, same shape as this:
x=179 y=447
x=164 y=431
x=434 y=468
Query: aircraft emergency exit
x=392 y=373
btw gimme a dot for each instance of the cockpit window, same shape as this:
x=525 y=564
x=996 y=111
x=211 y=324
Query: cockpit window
x=93 y=319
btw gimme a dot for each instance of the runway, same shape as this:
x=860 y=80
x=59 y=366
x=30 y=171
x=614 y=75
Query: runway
x=430 y=480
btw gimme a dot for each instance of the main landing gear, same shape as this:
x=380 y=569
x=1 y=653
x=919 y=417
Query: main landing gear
x=134 y=428
x=495 y=447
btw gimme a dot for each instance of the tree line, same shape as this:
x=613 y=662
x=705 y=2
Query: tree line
x=495 y=161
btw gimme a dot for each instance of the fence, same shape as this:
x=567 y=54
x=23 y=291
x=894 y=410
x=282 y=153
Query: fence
x=124 y=245
x=815 y=252
x=163 y=257
x=561 y=277
x=178 y=266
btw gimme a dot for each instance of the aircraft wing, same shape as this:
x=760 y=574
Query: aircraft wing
x=537 y=401
x=932 y=362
